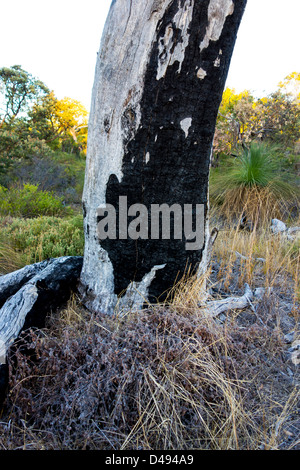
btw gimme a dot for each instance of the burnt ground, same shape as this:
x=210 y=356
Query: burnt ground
x=276 y=358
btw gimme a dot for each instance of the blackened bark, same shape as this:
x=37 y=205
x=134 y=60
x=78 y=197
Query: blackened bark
x=167 y=135
x=12 y=282
x=48 y=289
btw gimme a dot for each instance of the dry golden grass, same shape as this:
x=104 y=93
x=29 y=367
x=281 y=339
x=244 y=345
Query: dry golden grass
x=10 y=259
x=257 y=204
x=272 y=258
x=179 y=380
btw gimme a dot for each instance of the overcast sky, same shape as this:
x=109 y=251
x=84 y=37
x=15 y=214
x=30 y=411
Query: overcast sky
x=58 y=41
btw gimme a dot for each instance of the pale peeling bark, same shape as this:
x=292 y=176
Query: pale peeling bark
x=217 y=307
x=27 y=296
x=10 y=283
x=159 y=79
x=46 y=286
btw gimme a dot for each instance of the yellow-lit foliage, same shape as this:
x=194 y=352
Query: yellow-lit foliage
x=243 y=118
x=53 y=119
x=238 y=119
x=230 y=99
x=291 y=85
x=70 y=116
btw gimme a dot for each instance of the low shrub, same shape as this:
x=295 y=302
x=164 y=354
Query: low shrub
x=41 y=238
x=29 y=201
x=164 y=378
x=60 y=173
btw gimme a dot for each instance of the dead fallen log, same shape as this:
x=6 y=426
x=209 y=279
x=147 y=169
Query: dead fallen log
x=12 y=282
x=45 y=290
x=217 y=307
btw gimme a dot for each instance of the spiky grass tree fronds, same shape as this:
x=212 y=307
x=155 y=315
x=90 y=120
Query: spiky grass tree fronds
x=254 y=186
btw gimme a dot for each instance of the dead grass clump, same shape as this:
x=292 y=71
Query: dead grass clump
x=255 y=205
x=261 y=256
x=157 y=379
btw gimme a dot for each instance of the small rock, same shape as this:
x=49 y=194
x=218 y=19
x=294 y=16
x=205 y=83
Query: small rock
x=296 y=345
x=295 y=357
x=289 y=337
x=293 y=230
x=295 y=352
x=260 y=292
x=278 y=226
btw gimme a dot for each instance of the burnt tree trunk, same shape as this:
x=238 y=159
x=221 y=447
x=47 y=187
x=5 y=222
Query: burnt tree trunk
x=27 y=296
x=159 y=79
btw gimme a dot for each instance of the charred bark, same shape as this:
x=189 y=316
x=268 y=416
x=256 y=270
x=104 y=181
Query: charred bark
x=12 y=282
x=30 y=294
x=158 y=84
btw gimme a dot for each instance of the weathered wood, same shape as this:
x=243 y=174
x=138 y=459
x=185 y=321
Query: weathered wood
x=46 y=290
x=217 y=307
x=10 y=283
x=49 y=288
x=159 y=79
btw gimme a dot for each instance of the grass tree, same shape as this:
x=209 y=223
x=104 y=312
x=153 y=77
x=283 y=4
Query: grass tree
x=254 y=186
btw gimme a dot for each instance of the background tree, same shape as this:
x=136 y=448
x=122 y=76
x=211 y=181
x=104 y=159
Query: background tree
x=33 y=122
x=18 y=89
x=281 y=118
x=291 y=86
x=61 y=123
x=274 y=119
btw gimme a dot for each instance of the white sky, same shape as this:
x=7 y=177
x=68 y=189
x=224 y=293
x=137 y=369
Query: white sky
x=58 y=41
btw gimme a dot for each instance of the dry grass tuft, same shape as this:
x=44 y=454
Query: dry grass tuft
x=255 y=205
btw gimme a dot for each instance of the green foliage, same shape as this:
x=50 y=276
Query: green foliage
x=281 y=116
x=63 y=174
x=273 y=119
x=18 y=92
x=19 y=89
x=34 y=123
x=29 y=202
x=256 y=166
x=42 y=238
x=61 y=123
x=254 y=183
x=17 y=144
x=75 y=170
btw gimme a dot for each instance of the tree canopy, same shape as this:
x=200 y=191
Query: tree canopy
x=18 y=89
x=33 y=121
x=243 y=118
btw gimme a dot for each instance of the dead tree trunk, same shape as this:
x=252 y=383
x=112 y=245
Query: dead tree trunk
x=159 y=79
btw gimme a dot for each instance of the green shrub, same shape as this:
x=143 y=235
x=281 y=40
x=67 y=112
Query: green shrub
x=60 y=173
x=30 y=202
x=43 y=237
